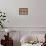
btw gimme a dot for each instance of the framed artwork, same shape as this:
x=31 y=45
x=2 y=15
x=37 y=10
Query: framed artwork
x=23 y=11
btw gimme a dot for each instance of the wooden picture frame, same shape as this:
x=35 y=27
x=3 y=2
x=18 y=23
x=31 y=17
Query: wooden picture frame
x=23 y=11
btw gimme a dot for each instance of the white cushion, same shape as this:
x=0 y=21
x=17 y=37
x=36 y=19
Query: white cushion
x=27 y=38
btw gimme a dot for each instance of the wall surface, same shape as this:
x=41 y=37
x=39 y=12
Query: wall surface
x=37 y=19
x=34 y=22
x=24 y=24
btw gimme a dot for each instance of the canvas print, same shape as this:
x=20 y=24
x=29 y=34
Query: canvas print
x=23 y=11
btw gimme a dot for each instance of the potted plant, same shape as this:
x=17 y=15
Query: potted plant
x=2 y=19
